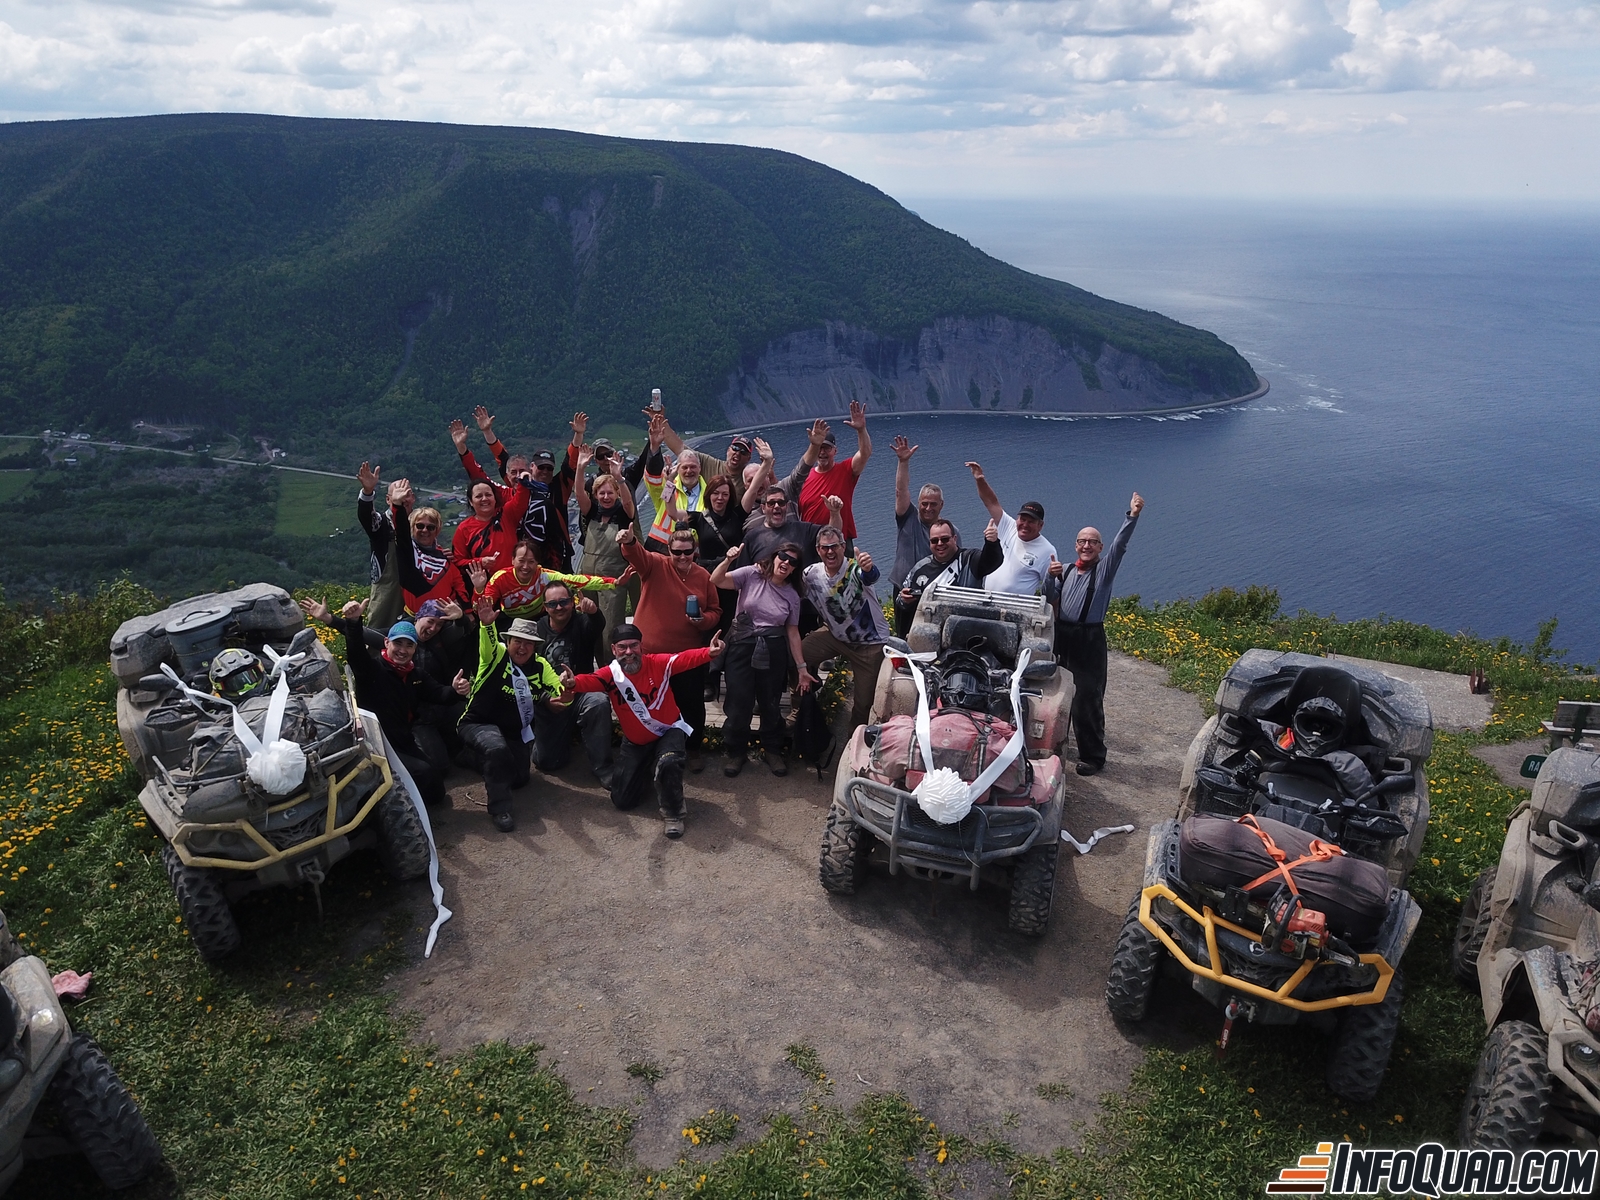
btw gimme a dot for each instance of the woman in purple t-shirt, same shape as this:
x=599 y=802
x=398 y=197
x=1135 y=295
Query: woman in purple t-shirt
x=764 y=640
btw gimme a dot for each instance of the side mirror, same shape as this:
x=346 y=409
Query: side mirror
x=1531 y=764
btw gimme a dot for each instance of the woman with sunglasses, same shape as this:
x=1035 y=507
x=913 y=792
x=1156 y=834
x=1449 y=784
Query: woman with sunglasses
x=605 y=509
x=678 y=610
x=766 y=639
x=518 y=591
x=427 y=567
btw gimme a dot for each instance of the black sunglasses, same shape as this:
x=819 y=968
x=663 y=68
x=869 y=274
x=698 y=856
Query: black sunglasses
x=558 y=603
x=790 y=559
x=683 y=553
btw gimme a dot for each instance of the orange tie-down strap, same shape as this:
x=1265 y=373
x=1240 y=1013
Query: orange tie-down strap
x=1320 y=851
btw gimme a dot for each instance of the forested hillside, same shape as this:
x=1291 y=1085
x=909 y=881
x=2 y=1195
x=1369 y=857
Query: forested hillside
x=344 y=287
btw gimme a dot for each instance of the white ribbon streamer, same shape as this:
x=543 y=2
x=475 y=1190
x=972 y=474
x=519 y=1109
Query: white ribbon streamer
x=1103 y=831
x=441 y=914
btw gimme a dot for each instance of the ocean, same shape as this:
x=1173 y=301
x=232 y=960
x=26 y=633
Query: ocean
x=1427 y=451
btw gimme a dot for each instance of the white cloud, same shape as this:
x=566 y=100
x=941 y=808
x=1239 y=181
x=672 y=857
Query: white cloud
x=871 y=82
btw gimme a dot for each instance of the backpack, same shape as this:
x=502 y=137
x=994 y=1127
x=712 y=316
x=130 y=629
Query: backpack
x=813 y=738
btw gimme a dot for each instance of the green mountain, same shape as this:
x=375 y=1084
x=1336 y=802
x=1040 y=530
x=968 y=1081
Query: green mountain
x=344 y=288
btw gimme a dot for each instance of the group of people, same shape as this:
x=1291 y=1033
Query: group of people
x=490 y=648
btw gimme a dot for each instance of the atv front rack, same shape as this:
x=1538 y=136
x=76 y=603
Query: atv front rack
x=1284 y=995
x=986 y=834
x=272 y=855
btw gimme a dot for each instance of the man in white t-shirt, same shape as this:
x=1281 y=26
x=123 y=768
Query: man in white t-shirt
x=1028 y=554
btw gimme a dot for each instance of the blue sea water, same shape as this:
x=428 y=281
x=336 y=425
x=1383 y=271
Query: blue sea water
x=1428 y=449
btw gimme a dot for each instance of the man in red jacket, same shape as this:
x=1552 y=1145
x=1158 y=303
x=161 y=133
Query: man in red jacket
x=654 y=734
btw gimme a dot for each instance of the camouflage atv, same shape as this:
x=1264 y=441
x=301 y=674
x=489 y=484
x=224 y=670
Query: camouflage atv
x=1529 y=941
x=54 y=1082
x=966 y=647
x=225 y=834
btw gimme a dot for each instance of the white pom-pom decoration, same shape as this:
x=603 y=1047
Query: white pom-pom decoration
x=279 y=768
x=943 y=796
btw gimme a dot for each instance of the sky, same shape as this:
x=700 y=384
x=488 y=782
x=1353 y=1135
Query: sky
x=1419 y=101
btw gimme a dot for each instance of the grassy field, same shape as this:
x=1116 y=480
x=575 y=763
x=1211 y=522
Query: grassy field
x=314 y=505
x=13 y=484
x=287 y=1074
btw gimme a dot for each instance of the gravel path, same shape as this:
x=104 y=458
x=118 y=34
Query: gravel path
x=587 y=931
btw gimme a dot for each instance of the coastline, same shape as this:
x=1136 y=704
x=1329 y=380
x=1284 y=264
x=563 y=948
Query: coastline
x=1264 y=386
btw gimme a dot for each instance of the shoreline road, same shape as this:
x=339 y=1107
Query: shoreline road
x=590 y=933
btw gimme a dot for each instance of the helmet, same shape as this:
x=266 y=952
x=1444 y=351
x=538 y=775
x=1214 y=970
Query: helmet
x=235 y=673
x=1318 y=727
x=964 y=682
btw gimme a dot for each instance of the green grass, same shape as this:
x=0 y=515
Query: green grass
x=13 y=484
x=314 y=505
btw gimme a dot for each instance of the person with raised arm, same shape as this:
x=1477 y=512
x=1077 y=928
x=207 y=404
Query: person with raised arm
x=912 y=522
x=502 y=701
x=766 y=639
x=738 y=455
x=946 y=563
x=384 y=595
x=1079 y=593
x=1027 y=553
x=605 y=509
x=489 y=533
x=777 y=525
x=518 y=591
x=821 y=475
x=391 y=686
x=654 y=733
x=427 y=567
x=681 y=489
x=678 y=610
x=574 y=641
x=853 y=627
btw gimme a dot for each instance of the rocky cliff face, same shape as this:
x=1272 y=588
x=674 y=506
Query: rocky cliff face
x=957 y=364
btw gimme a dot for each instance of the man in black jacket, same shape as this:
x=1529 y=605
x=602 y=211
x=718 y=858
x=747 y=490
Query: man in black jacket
x=574 y=638
x=394 y=689
x=948 y=563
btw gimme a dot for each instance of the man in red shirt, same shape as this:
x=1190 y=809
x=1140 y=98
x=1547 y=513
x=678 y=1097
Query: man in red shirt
x=820 y=475
x=654 y=734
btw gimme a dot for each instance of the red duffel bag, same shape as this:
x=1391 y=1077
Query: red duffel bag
x=1219 y=852
x=965 y=742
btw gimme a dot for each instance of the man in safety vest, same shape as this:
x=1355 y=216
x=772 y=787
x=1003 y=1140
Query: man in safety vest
x=654 y=733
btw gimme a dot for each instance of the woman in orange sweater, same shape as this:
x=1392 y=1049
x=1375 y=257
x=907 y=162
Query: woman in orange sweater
x=678 y=609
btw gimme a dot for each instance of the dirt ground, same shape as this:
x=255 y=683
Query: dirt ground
x=588 y=931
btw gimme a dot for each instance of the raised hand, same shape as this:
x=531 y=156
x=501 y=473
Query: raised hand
x=991 y=532
x=834 y=503
x=857 y=419
x=763 y=449
x=353 y=610
x=480 y=580
x=1057 y=567
x=733 y=553
x=902 y=447
x=863 y=560
x=626 y=536
x=579 y=423
x=397 y=492
x=585 y=456
x=317 y=610
x=458 y=435
x=977 y=471
x=1137 y=505
x=586 y=604
x=449 y=610
x=485 y=610
x=614 y=466
x=461 y=685
x=658 y=430
x=716 y=645
x=484 y=420
x=818 y=432
x=367 y=476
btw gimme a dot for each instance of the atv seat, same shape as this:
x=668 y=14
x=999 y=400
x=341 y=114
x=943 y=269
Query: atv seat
x=1001 y=638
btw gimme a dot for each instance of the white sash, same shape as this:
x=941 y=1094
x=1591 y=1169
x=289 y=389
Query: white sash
x=636 y=705
x=524 y=693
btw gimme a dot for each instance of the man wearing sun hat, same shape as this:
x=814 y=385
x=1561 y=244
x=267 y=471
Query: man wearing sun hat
x=394 y=689
x=502 y=699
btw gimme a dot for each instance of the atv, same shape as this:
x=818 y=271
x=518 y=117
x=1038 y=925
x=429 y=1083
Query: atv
x=1278 y=888
x=227 y=829
x=54 y=1082
x=971 y=702
x=1529 y=941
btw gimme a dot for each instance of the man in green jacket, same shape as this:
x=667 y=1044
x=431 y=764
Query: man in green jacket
x=511 y=683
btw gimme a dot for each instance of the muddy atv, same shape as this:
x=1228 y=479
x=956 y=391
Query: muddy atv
x=977 y=668
x=225 y=834
x=1529 y=941
x=1278 y=887
x=58 y=1092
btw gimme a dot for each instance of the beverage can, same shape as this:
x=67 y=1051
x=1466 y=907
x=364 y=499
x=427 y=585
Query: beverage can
x=693 y=607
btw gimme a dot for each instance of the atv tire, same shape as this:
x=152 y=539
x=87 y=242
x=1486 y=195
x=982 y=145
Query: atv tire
x=1033 y=888
x=842 y=867
x=1135 y=963
x=1510 y=1090
x=101 y=1118
x=1358 y=1054
x=204 y=908
x=1472 y=928
x=402 y=842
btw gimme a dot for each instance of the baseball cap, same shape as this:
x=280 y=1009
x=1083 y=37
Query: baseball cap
x=542 y=456
x=604 y=443
x=1032 y=509
x=830 y=438
x=740 y=442
x=402 y=630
